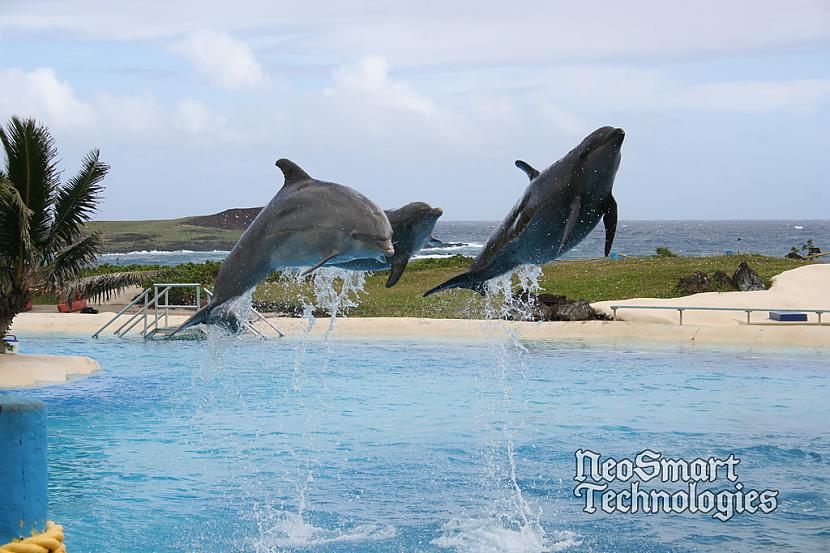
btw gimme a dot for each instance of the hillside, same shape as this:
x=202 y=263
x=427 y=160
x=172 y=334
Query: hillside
x=170 y=234
x=233 y=219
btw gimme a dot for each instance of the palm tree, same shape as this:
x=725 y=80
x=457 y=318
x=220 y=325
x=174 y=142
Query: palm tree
x=44 y=247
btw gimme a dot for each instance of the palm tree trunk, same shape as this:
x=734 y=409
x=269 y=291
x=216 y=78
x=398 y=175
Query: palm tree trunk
x=10 y=306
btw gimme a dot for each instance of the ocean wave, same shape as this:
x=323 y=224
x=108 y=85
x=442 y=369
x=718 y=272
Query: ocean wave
x=165 y=252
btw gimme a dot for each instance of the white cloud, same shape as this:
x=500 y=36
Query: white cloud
x=41 y=94
x=756 y=96
x=133 y=115
x=369 y=78
x=193 y=117
x=228 y=62
x=465 y=31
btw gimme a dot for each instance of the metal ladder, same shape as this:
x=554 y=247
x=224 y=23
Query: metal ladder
x=155 y=308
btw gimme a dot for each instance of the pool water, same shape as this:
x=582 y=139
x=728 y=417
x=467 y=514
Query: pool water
x=335 y=446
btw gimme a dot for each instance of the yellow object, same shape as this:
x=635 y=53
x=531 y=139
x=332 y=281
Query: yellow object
x=50 y=541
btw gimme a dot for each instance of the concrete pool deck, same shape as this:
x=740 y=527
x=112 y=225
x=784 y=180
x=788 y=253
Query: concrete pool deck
x=20 y=370
x=805 y=287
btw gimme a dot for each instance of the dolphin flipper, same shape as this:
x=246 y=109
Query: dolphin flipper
x=464 y=280
x=609 y=219
x=570 y=224
x=532 y=172
x=322 y=262
x=398 y=267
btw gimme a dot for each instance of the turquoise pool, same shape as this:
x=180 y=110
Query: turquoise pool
x=242 y=445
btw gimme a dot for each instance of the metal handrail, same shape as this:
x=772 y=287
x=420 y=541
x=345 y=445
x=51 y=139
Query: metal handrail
x=124 y=310
x=161 y=292
x=135 y=319
x=747 y=310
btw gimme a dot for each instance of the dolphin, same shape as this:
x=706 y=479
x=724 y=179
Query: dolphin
x=308 y=223
x=559 y=208
x=412 y=227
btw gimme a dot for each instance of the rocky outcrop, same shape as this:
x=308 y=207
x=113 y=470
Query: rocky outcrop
x=722 y=282
x=549 y=307
x=746 y=279
x=695 y=283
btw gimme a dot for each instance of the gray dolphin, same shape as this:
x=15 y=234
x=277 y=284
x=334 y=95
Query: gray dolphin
x=412 y=227
x=308 y=223
x=560 y=206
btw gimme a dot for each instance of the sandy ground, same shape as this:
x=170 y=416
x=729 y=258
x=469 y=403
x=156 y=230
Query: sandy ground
x=805 y=287
x=17 y=371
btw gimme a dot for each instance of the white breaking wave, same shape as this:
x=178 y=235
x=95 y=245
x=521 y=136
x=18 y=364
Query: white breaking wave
x=166 y=252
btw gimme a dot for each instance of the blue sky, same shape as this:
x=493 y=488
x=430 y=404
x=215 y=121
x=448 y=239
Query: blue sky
x=726 y=105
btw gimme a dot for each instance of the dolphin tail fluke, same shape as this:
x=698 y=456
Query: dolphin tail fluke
x=198 y=318
x=469 y=281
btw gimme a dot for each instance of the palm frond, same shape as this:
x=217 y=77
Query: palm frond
x=15 y=221
x=69 y=262
x=103 y=287
x=32 y=169
x=76 y=201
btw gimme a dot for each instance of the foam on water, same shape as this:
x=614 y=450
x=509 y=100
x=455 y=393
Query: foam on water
x=474 y=535
x=280 y=530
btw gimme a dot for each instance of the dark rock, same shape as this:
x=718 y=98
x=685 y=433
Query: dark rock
x=795 y=255
x=89 y=310
x=722 y=283
x=695 y=283
x=746 y=279
x=550 y=307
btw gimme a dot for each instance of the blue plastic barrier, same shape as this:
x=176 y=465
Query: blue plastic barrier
x=23 y=469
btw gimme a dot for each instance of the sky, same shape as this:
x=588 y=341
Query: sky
x=726 y=104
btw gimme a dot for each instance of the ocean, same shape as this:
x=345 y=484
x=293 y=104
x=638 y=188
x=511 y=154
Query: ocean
x=634 y=238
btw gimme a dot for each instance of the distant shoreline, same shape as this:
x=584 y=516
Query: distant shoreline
x=634 y=237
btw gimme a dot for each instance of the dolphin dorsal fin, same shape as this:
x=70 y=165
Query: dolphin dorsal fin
x=292 y=172
x=532 y=172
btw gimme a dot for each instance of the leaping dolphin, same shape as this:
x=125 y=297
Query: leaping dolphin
x=559 y=208
x=412 y=227
x=308 y=223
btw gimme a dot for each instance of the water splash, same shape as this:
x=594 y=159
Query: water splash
x=501 y=303
x=511 y=522
x=476 y=535
x=281 y=530
x=334 y=291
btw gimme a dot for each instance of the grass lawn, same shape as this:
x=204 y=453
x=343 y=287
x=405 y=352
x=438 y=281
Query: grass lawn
x=653 y=277
x=644 y=277
x=171 y=235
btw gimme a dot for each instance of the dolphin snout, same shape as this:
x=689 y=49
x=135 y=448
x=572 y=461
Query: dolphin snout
x=389 y=250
